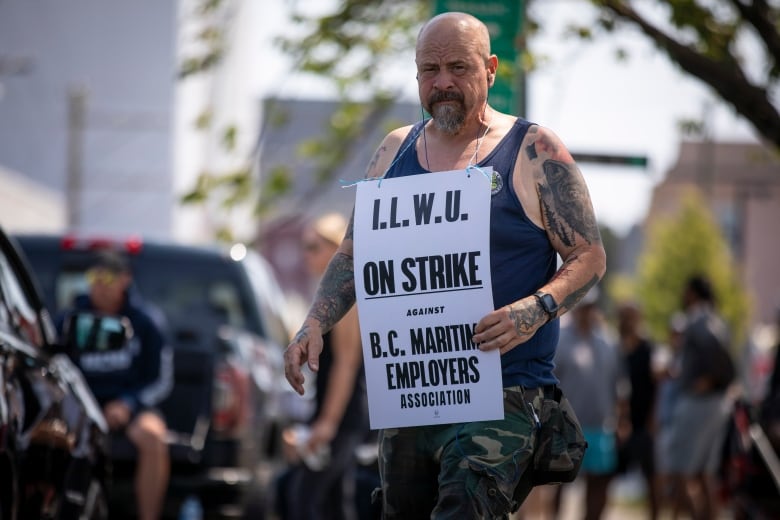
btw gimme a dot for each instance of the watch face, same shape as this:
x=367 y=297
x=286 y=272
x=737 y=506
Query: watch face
x=548 y=302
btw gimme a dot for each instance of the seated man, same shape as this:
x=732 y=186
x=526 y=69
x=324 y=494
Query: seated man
x=129 y=382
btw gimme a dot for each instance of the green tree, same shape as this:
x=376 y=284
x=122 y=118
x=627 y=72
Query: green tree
x=687 y=243
x=356 y=44
x=611 y=243
x=705 y=38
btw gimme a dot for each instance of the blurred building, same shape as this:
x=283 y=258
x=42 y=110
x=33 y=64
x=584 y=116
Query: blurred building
x=287 y=125
x=87 y=91
x=741 y=182
x=26 y=205
x=93 y=106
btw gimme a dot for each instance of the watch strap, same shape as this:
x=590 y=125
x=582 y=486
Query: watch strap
x=550 y=311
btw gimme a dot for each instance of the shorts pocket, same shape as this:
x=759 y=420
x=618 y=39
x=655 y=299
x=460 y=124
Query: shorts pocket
x=560 y=445
x=497 y=453
x=488 y=496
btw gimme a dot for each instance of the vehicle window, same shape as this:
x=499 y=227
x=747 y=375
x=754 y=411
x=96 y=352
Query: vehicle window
x=195 y=293
x=18 y=313
x=69 y=285
x=181 y=298
x=195 y=297
x=270 y=297
x=226 y=298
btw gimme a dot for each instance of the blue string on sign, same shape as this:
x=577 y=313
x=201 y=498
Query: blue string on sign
x=475 y=167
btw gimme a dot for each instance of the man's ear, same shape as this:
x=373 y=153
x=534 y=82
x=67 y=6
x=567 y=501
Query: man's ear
x=492 y=67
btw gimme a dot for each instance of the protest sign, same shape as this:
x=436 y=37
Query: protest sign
x=422 y=281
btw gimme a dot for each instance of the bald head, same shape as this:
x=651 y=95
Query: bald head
x=457 y=25
x=454 y=70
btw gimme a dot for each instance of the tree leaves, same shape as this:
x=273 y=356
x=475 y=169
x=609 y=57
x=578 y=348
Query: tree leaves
x=355 y=45
x=679 y=245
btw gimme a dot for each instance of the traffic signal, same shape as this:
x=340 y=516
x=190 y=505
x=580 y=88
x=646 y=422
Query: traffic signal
x=603 y=158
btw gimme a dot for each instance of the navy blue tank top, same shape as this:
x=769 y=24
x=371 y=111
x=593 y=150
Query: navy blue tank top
x=522 y=258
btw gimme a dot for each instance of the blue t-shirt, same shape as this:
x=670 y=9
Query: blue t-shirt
x=522 y=258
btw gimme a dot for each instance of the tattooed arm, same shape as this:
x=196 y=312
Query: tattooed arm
x=336 y=292
x=555 y=197
x=567 y=215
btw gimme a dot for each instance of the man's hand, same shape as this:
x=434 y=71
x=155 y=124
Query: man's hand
x=509 y=326
x=117 y=414
x=305 y=347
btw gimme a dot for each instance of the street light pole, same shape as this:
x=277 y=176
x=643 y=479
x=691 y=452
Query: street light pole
x=77 y=103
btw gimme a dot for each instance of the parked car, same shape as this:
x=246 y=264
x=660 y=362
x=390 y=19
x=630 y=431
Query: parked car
x=224 y=315
x=53 y=439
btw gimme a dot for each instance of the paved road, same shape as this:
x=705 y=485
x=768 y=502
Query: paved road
x=625 y=503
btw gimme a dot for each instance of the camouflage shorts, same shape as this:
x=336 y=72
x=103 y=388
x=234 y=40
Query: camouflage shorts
x=461 y=471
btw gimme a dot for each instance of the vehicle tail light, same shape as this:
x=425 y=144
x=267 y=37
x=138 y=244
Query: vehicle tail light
x=131 y=245
x=230 y=402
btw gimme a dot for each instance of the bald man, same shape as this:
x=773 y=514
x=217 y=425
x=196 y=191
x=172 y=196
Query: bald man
x=540 y=208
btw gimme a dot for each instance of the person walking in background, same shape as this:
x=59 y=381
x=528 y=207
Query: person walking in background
x=587 y=364
x=540 y=208
x=636 y=439
x=700 y=413
x=130 y=382
x=667 y=372
x=340 y=419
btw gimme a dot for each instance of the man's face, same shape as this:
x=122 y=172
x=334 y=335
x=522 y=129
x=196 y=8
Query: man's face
x=453 y=77
x=107 y=289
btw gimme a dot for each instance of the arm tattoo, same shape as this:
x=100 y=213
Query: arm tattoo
x=565 y=205
x=530 y=151
x=524 y=319
x=375 y=160
x=571 y=300
x=336 y=293
x=566 y=267
x=302 y=333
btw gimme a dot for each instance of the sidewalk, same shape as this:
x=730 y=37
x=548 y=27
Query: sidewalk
x=626 y=502
x=620 y=506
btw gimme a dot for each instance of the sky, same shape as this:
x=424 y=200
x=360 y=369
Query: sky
x=594 y=103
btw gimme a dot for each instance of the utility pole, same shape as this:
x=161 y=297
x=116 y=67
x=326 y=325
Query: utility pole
x=77 y=106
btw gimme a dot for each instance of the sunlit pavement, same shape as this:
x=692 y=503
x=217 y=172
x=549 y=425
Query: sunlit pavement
x=626 y=502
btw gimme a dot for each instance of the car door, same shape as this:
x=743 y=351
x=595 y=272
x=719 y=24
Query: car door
x=49 y=416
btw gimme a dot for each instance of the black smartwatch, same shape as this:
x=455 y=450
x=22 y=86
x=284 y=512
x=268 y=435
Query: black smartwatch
x=548 y=304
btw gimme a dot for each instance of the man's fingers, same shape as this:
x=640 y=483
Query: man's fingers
x=305 y=348
x=293 y=360
x=315 y=349
x=487 y=321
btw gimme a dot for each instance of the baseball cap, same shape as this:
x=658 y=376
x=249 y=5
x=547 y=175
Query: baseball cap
x=111 y=261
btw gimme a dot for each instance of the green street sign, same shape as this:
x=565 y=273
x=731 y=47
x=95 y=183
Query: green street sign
x=504 y=20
